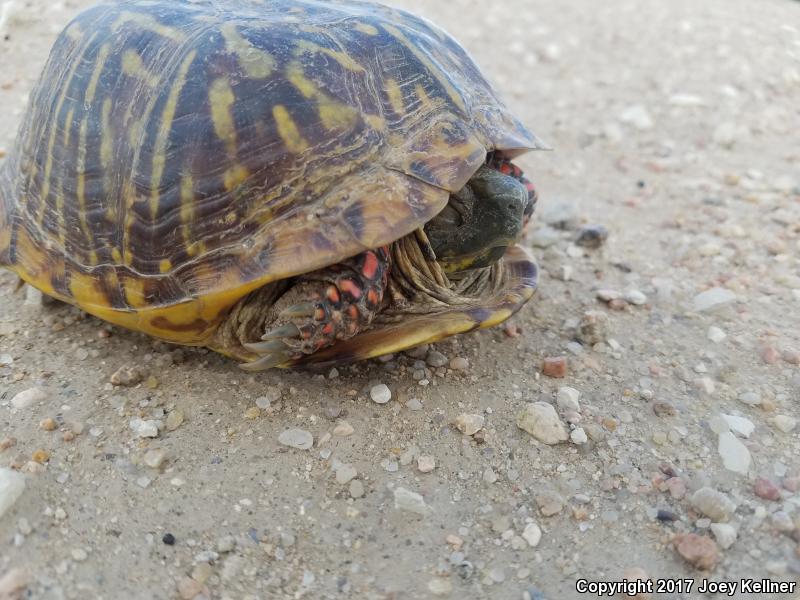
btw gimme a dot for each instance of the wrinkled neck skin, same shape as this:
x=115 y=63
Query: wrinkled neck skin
x=420 y=284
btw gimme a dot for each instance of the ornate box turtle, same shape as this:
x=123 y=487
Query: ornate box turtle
x=288 y=182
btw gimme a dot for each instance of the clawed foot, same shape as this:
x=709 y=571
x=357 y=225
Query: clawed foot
x=342 y=300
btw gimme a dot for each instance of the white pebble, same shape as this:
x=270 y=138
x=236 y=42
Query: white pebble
x=380 y=394
x=635 y=297
x=469 y=424
x=343 y=429
x=713 y=504
x=297 y=438
x=410 y=501
x=724 y=533
x=345 y=473
x=713 y=298
x=784 y=422
x=144 y=429
x=541 y=421
x=12 y=484
x=716 y=335
x=532 y=534
x=567 y=399
x=154 y=458
x=578 y=436
x=28 y=398
x=735 y=455
x=426 y=463
x=750 y=398
x=739 y=425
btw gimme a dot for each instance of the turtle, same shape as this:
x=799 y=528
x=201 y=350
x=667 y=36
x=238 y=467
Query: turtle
x=290 y=183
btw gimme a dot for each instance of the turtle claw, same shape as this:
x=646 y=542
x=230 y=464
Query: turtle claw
x=298 y=311
x=289 y=330
x=266 y=347
x=267 y=361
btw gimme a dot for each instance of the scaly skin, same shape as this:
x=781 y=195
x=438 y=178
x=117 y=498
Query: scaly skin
x=342 y=300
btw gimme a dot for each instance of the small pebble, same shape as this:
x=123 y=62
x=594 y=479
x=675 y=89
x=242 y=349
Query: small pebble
x=555 y=366
x=767 y=490
x=592 y=236
x=12 y=485
x=716 y=335
x=635 y=297
x=127 y=376
x=343 y=429
x=13 y=584
x=714 y=504
x=144 y=429
x=750 y=398
x=252 y=413
x=189 y=588
x=459 y=364
x=698 y=550
x=594 y=327
x=356 y=489
x=724 y=533
x=567 y=399
x=541 y=421
x=414 y=404
x=226 y=544
x=168 y=539
x=345 y=473
x=426 y=463
x=712 y=299
x=380 y=394
x=48 y=424
x=664 y=409
x=40 y=456
x=79 y=554
x=735 y=455
x=440 y=586
x=174 y=420
x=155 y=458
x=532 y=534
x=739 y=425
x=607 y=295
x=550 y=503
x=784 y=423
x=409 y=501
x=28 y=398
x=469 y=424
x=791 y=356
x=436 y=359
x=297 y=438
x=578 y=436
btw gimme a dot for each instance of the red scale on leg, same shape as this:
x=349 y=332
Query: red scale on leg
x=342 y=301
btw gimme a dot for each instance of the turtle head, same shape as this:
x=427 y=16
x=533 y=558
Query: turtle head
x=480 y=221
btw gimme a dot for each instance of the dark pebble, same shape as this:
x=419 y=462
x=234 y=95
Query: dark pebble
x=592 y=236
x=168 y=539
x=666 y=515
x=667 y=469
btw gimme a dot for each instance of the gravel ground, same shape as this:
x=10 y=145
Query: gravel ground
x=675 y=127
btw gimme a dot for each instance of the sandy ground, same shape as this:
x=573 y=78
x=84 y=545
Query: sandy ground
x=675 y=125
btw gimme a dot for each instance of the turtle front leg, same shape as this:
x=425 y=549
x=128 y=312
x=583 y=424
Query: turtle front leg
x=331 y=304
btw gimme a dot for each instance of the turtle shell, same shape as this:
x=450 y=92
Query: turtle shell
x=177 y=155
